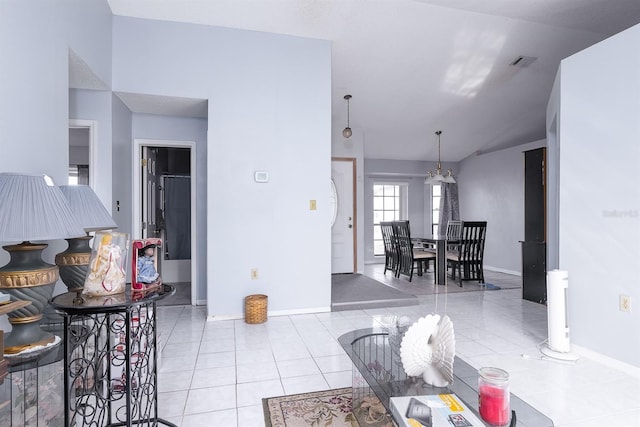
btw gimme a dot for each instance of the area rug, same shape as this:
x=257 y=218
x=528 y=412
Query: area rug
x=423 y=285
x=320 y=408
x=358 y=292
x=329 y=408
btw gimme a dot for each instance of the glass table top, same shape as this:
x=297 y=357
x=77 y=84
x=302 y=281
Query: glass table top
x=74 y=303
x=375 y=353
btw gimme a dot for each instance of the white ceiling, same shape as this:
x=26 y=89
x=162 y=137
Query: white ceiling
x=417 y=66
x=165 y=105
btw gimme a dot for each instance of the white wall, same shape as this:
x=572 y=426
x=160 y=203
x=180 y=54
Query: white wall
x=599 y=194
x=491 y=188
x=269 y=109
x=78 y=155
x=149 y=126
x=122 y=120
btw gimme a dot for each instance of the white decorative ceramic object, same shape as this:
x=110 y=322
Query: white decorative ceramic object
x=428 y=350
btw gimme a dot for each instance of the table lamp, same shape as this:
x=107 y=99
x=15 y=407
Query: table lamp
x=91 y=215
x=31 y=208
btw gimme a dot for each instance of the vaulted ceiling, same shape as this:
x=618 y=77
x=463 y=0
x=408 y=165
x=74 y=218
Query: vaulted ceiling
x=417 y=66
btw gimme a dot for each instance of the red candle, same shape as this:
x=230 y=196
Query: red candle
x=493 y=391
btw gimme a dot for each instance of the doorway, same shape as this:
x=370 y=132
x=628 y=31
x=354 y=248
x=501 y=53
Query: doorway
x=344 y=225
x=164 y=207
x=82 y=140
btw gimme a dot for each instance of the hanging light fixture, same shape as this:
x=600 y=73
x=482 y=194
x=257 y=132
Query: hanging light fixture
x=347 y=131
x=436 y=177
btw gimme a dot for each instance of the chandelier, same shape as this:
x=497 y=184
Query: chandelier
x=436 y=177
x=346 y=132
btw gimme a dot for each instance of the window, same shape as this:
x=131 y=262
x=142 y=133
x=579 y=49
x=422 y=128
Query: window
x=389 y=204
x=435 y=207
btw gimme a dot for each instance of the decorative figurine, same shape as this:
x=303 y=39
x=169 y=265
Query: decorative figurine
x=428 y=350
x=145 y=264
x=107 y=274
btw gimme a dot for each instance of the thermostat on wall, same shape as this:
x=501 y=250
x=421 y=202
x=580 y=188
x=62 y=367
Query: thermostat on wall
x=261 y=176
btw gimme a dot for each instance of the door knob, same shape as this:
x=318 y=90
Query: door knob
x=350 y=226
x=349 y=218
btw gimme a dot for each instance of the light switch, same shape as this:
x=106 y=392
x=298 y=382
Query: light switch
x=312 y=205
x=261 y=176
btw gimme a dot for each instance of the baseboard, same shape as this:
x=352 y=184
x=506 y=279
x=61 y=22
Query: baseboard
x=607 y=361
x=299 y=311
x=503 y=270
x=201 y=302
x=273 y=313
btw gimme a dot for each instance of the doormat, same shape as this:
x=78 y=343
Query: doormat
x=329 y=408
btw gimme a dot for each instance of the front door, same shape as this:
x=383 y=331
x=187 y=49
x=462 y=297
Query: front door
x=343 y=230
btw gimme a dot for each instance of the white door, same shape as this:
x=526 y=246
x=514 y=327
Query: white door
x=149 y=192
x=343 y=230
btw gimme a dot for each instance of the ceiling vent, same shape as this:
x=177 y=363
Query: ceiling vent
x=523 y=61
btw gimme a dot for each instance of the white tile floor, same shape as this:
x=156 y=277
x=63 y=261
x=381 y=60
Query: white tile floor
x=216 y=373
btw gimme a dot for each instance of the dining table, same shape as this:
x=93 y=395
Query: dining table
x=441 y=242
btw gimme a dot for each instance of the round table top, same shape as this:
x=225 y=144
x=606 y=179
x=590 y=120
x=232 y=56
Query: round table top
x=76 y=303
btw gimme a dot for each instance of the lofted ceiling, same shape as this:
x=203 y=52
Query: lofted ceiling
x=417 y=66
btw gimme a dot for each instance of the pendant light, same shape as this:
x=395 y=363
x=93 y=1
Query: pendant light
x=436 y=177
x=347 y=131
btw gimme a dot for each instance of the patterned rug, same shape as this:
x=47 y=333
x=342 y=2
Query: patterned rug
x=329 y=408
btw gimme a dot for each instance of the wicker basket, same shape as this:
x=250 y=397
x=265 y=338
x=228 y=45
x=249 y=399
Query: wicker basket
x=255 y=308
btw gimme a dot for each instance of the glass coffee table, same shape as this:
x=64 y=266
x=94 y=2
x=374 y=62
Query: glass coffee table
x=378 y=375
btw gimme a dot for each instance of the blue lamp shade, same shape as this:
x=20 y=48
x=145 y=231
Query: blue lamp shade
x=89 y=211
x=33 y=208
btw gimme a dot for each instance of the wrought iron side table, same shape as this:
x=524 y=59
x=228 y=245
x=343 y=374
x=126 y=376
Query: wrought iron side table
x=110 y=358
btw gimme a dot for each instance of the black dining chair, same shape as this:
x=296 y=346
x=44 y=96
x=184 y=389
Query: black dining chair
x=469 y=257
x=454 y=232
x=391 y=256
x=409 y=256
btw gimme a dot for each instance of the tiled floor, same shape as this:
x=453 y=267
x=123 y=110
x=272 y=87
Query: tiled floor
x=216 y=373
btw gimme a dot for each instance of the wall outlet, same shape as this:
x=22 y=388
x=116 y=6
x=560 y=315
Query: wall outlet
x=625 y=303
x=254 y=274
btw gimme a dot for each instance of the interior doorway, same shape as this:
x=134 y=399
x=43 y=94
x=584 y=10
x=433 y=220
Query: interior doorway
x=82 y=140
x=164 y=207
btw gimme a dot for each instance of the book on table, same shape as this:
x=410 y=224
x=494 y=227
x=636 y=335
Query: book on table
x=439 y=410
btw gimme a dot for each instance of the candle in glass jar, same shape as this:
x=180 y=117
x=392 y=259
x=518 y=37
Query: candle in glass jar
x=493 y=391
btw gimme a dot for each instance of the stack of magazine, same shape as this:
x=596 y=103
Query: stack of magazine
x=440 y=410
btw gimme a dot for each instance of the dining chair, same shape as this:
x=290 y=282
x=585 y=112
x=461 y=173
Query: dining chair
x=408 y=256
x=469 y=257
x=454 y=231
x=391 y=257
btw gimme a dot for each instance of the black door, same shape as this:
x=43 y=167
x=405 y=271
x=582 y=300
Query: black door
x=534 y=253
